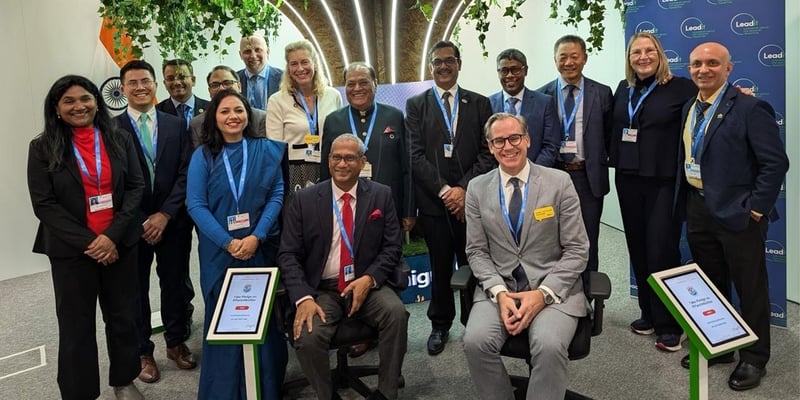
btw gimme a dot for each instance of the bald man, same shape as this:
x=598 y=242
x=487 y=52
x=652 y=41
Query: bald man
x=733 y=163
x=259 y=80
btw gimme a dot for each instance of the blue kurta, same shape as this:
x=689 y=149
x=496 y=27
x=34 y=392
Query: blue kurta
x=210 y=202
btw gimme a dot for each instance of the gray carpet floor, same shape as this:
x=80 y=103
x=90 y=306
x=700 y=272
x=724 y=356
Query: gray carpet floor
x=621 y=365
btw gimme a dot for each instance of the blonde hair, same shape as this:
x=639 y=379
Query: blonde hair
x=287 y=83
x=663 y=74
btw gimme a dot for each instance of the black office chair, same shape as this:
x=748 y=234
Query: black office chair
x=349 y=332
x=517 y=346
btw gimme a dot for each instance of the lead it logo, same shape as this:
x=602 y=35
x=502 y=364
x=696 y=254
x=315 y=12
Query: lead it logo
x=672 y=4
x=745 y=24
x=694 y=28
x=771 y=55
x=775 y=251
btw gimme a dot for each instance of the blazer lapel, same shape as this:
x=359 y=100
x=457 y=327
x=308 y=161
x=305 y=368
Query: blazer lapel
x=161 y=139
x=363 y=208
x=325 y=214
x=495 y=184
x=725 y=105
x=438 y=112
x=534 y=188
x=72 y=167
x=526 y=110
x=589 y=93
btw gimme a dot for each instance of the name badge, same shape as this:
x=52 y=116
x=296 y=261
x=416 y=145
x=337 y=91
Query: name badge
x=542 y=213
x=692 y=170
x=448 y=150
x=101 y=202
x=569 y=147
x=313 y=156
x=238 y=221
x=629 y=135
x=311 y=139
x=349 y=273
x=366 y=172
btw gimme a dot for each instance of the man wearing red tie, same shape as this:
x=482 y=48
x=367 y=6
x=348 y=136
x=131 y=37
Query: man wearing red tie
x=339 y=248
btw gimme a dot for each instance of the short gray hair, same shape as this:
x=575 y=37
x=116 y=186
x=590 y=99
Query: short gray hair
x=487 y=128
x=349 y=137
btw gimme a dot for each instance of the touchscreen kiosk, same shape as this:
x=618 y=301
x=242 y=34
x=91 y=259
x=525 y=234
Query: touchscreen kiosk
x=244 y=305
x=705 y=315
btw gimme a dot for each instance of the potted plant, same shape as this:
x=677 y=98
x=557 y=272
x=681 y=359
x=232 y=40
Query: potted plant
x=415 y=254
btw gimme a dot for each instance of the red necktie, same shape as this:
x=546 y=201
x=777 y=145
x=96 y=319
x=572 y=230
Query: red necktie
x=344 y=256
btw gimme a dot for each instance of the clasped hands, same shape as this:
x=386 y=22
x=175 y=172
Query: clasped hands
x=454 y=201
x=307 y=309
x=103 y=250
x=517 y=310
x=243 y=249
x=154 y=227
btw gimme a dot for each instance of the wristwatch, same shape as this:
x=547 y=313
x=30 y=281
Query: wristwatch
x=548 y=299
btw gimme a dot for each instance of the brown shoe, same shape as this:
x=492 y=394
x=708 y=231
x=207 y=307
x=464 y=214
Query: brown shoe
x=358 y=350
x=182 y=356
x=149 y=373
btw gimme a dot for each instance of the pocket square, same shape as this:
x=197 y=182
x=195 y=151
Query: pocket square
x=375 y=215
x=388 y=130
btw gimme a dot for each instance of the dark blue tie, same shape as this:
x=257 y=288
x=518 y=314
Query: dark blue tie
x=521 y=279
x=515 y=207
x=569 y=105
x=512 y=105
x=700 y=109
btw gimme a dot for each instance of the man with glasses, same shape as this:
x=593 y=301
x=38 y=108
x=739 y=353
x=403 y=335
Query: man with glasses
x=179 y=80
x=537 y=108
x=259 y=80
x=164 y=150
x=220 y=78
x=584 y=108
x=448 y=149
x=527 y=248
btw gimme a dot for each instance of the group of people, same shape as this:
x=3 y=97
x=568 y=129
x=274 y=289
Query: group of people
x=274 y=171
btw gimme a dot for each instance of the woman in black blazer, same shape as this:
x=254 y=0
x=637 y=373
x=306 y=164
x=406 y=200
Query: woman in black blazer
x=85 y=186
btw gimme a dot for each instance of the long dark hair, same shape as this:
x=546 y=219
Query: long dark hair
x=54 y=142
x=211 y=137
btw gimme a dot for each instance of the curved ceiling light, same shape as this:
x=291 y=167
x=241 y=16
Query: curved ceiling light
x=452 y=20
x=313 y=38
x=335 y=27
x=364 y=41
x=423 y=59
x=393 y=45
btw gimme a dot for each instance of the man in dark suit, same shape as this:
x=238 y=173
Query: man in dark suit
x=448 y=149
x=584 y=108
x=163 y=148
x=382 y=129
x=330 y=275
x=220 y=78
x=733 y=165
x=179 y=80
x=259 y=80
x=537 y=108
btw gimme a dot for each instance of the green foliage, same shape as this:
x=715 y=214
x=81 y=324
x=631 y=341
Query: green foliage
x=414 y=247
x=183 y=27
x=591 y=11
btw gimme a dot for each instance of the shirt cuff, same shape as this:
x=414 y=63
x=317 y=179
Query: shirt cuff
x=494 y=291
x=444 y=190
x=556 y=299
x=302 y=299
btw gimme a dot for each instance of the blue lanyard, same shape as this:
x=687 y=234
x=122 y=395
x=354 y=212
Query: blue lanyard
x=504 y=207
x=451 y=121
x=631 y=110
x=567 y=122
x=697 y=136
x=369 y=129
x=251 y=90
x=150 y=157
x=97 y=159
x=343 y=232
x=312 y=119
x=236 y=194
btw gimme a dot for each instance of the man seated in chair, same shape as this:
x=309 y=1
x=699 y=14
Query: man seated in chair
x=527 y=247
x=330 y=275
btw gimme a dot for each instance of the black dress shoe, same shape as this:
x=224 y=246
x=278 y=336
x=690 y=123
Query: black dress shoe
x=436 y=341
x=746 y=376
x=723 y=359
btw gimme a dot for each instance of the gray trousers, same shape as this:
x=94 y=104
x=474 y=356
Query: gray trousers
x=383 y=310
x=549 y=335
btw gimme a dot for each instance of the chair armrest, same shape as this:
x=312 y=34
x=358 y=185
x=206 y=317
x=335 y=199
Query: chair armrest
x=461 y=278
x=599 y=285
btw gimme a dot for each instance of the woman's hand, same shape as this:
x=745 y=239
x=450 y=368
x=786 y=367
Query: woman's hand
x=248 y=248
x=103 y=250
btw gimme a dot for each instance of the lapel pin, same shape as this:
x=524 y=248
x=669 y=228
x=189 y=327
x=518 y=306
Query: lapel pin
x=464 y=101
x=719 y=116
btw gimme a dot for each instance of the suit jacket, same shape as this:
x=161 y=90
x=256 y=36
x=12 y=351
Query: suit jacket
x=543 y=126
x=273 y=82
x=387 y=151
x=308 y=232
x=59 y=201
x=427 y=133
x=553 y=251
x=173 y=152
x=597 y=106
x=200 y=106
x=196 y=125
x=743 y=161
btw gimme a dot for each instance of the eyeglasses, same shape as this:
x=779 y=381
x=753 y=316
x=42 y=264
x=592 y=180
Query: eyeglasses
x=514 y=140
x=179 y=77
x=227 y=84
x=450 y=61
x=145 y=83
x=350 y=158
x=516 y=71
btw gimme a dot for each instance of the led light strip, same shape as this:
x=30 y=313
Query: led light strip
x=423 y=59
x=364 y=41
x=452 y=21
x=393 y=44
x=313 y=38
x=335 y=27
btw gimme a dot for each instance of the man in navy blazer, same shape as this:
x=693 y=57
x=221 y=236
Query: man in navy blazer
x=163 y=148
x=588 y=164
x=733 y=164
x=179 y=80
x=330 y=276
x=259 y=80
x=537 y=108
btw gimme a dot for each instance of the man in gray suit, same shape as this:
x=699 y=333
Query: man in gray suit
x=220 y=78
x=527 y=247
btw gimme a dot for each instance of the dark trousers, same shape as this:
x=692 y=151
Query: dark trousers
x=79 y=282
x=172 y=267
x=738 y=257
x=653 y=236
x=446 y=238
x=591 y=210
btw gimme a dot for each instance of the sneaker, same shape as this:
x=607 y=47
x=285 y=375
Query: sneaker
x=642 y=327
x=669 y=342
